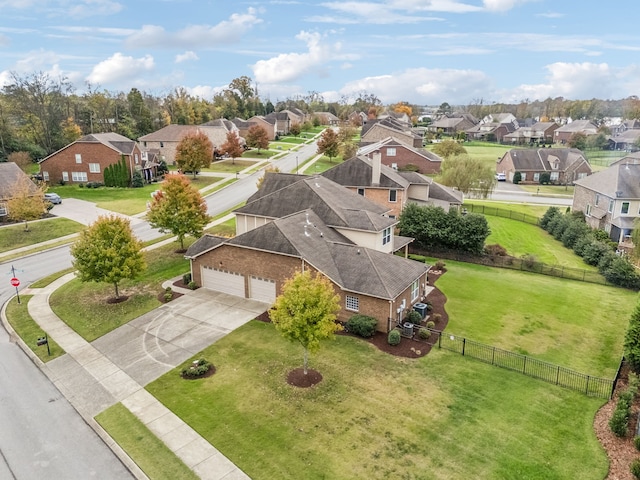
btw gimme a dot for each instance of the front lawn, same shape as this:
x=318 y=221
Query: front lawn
x=84 y=307
x=375 y=416
x=578 y=325
x=321 y=165
x=229 y=166
x=14 y=236
x=558 y=190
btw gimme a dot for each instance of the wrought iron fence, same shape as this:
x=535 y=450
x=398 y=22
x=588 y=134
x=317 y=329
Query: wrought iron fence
x=501 y=212
x=532 y=367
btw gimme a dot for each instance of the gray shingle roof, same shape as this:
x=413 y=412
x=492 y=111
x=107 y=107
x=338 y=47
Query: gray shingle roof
x=542 y=159
x=112 y=140
x=393 y=142
x=204 y=244
x=10 y=176
x=357 y=172
x=620 y=181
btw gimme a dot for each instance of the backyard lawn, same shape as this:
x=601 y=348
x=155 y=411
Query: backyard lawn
x=577 y=325
x=375 y=416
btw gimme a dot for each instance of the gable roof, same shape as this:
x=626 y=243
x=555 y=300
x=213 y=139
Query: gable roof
x=542 y=159
x=353 y=268
x=119 y=143
x=584 y=126
x=391 y=141
x=337 y=206
x=174 y=133
x=621 y=180
x=357 y=172
x=10 y=176
x=391 y=124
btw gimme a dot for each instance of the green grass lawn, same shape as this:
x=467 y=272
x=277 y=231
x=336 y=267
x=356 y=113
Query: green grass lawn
x=14 y=236
x=488 y=152
x=282 y=146
x=254 y=154
x=577 y=325
x=296 y=140
x=549 y=189
x=225 y=229
x=375 y=416
x=533 y=209
x=521 y=238
x=321 y=165
x=91 y=316
x=24 y=325
x=148 y=451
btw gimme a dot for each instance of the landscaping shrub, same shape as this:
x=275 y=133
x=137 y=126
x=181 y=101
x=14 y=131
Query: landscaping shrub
x=529 y=261
x=168 y=294
x=424 y=333
x=413 y=317
x=548 y=216
x=430 y=323
x=635 y=468
x=136 y=181
x=619 y=422
x=632 y=340
x=394 y=337
x=186 y=278
x=621 y=272
x=545 y=178
x=517 y=178
x=495 y=250
x=594 y=251
x=439 y=265
x=196 y=369
x=362 y=325
x=636 y=442
x=192 y=285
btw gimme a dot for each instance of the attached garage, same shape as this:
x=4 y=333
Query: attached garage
x=262 y=289
x=223 y=281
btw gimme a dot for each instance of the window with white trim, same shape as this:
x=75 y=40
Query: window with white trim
x=79 y=176
x=597 y=199
x=135 y=158
x=45 y=176
x=94 y=168
x=393 y=195
x=394 y=166
x=415 y=290
x=611 y=203
x=78 y=158
x=3 y=209
x=554 y=176
x=625 y=208
x=523 y=176
x=352 y=303
x=65 y=176
x=391 y=151
x=536 y=177
x=386 y=236
x=588 y=210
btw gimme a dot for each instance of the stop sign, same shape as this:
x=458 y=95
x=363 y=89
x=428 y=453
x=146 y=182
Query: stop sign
x=15 y=282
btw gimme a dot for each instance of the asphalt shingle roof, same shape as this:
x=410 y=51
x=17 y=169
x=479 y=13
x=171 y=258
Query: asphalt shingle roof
x=618 y=181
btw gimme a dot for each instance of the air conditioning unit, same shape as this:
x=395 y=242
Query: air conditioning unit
x=421 y=308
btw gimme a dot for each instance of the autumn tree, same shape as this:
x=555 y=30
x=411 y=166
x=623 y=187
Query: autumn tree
x=178 y=208
x=108 y=252
x=578 y=140
x=21 y=159
x=257 y=137
x=270 y=168
x=71 y=131
x=346 y=140
x=305 y=312
x=448 y=148
x=232 y=147
x=328 y=144
x=468 y=175
x=26 y=201
x=295 y=129
x=194 y=152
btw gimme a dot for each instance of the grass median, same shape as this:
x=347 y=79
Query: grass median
x=14 y=236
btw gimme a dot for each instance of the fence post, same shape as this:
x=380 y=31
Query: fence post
x=558 y=375
x=464 y=342
x=493 y=355
x=524 y=366
x=440 y=340
x=586 y=390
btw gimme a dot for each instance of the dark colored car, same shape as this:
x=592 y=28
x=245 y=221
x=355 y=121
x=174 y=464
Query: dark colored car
x=53 y=198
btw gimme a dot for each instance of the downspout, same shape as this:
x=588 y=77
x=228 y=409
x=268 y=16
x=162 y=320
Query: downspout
x=390 y=317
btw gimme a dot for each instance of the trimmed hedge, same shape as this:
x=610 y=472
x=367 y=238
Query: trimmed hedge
x=362 y=325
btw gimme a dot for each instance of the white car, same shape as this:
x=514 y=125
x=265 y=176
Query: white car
x=501 y=177
x=54 y=198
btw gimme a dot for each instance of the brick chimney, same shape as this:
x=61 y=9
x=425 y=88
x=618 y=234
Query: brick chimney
x=376 y=166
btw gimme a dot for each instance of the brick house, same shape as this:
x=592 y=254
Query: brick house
x=11 y=175
x=539 y=132
x=564 y=165
x=377 y=130
x=256 y=263
x=367 y=176
x=453 y=123
x=400 y=156
x=610 y=199
x=564 y=133
x=269 y=124
x=85 y=159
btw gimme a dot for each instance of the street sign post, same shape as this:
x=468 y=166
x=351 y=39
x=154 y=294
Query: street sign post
x=15 y=282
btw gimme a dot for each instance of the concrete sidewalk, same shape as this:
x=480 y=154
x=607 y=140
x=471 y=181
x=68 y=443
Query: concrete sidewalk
x=114 y=368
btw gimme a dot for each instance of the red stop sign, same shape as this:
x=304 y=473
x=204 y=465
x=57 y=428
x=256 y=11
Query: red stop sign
x=15 y=282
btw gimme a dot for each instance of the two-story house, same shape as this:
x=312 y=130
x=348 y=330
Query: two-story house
x=400 y=156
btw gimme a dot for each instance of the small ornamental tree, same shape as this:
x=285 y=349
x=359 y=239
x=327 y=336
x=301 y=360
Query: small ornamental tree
x=305 y=312
x=26 y=201
x=257 y=137
x=469 y=175
x=295 y=129
x=194 y=152
x=178 y=208
x=232 y=147
x=448 y=148
x=108 y=252
x=328 y=144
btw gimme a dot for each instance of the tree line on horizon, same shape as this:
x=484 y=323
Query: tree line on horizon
x=40 y=114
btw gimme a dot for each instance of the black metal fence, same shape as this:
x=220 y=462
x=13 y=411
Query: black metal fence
x=501 y=212
x=548 y=372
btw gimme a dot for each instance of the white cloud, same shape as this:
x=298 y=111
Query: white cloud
x=424 y=86
x=188 y=55
x=119 y=68
x=90 y=8
x=501 y=5
x=206 y=92
x=225 y=32
x=290 y=66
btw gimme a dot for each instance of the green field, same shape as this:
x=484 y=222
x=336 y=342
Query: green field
x=14 y=236
x=375 y=416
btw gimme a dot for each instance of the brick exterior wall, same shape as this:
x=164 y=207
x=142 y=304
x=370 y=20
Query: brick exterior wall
x=279 y=268
x=65 y=161
x=405 y=156
x=167 y=150
x=583 y=197
x=381 y=197
x=378 y=133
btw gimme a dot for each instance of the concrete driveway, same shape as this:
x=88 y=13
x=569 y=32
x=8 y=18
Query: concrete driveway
x=156 y=342
x=85 y=212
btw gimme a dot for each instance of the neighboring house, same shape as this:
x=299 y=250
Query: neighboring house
x=376 y=130
x=399 y=156
x=391 y=189
x=610 y=199
x=167 y=138
x=269 y=125
x=255 y=264
x=85 y=159
x=539 y=132
x=491 y=131
x=453 y=123
x=357 y=118
x=622 y=126
x=563 y=134
x=565 y=165
x=627 y=140
x=327 y=118
x=11 y=175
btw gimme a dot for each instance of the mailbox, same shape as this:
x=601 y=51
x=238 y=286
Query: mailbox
x=42 y=341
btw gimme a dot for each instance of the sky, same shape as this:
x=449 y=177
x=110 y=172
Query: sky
x=424 y=52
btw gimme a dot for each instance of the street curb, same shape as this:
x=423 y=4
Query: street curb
x=124 y=458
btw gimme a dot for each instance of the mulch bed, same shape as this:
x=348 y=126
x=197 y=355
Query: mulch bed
x=297 y=378
x=120 y=299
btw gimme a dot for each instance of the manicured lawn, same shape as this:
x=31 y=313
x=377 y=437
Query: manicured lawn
x=228 y=166
x=282 y=146
x=532 y=209
x=320 y=165
x=148 y=451
x=14 y=236
x=296 y=140
x=577 y=325
x=226 y=229
x=24 y=325
x=127 y=201
x=549 y=189
x=489 y=153
x=521 y=238
x=84 y=307
x=254 y=154
x=375 y=416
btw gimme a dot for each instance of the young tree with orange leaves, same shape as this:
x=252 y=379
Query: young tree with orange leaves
x=232 y=147
x=257 y=137
x=194 y=152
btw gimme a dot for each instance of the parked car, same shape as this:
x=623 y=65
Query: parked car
x=501 y=177
x=53 y=198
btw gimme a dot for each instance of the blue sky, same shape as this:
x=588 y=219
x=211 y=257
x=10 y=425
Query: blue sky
x=420 y=51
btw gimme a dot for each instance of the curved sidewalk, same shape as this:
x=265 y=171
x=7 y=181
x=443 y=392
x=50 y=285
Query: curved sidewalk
x=93 y=378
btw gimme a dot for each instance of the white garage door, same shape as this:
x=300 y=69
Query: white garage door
x=221 y=281
x=262 y=289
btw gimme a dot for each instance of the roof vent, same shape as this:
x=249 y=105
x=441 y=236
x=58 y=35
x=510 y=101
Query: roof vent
x=358 y=251
x=619 y=193
x=307 y=218
x=306 y=232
